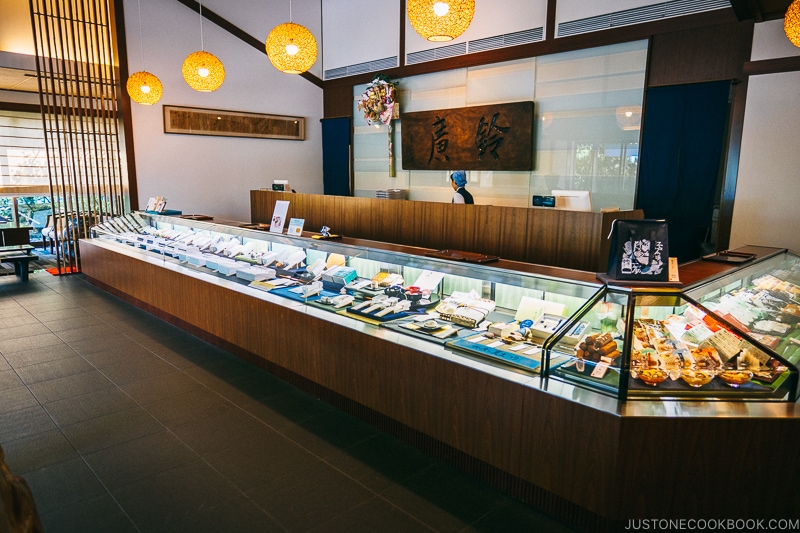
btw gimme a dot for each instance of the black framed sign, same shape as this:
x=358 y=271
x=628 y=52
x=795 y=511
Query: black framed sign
x=487 y=137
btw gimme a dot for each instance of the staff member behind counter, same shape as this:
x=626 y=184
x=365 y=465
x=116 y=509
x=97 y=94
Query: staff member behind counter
x=458 y=180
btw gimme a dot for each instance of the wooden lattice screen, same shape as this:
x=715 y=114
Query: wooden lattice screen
x=77 y=65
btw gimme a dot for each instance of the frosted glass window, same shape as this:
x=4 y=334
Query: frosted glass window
x=588 y=106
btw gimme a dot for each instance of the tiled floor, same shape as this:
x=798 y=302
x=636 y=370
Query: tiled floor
x=121 y=422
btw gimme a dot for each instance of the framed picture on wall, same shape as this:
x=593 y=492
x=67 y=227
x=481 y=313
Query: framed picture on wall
x=199 y=121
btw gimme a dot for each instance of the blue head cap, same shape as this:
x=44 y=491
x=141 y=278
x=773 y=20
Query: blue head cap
x=460 y=177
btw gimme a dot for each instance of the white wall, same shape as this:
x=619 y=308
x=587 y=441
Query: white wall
x=213 y=175
x=768 y=185
x=767 y=206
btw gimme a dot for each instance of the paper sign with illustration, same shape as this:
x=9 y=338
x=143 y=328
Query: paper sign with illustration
x=279 y=216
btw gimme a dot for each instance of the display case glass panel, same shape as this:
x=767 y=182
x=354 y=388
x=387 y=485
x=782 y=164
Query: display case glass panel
x=663 y=345
x=479 y=311
x=763 y=300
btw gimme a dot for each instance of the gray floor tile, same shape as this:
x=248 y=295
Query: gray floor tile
x=24 y=422
x=4 y=364
x=186 y=407
x=23 y=318
x=129 y=371
x=159 y=387
x=295 y=502
x=91 y=345
x=377 y=515
x=9 y=346
x=58 y=485
x=160 y=502
x=62 y=323
x=70 y=386
x=329 y=433
x=130 y=461
x=255 y=462
x=88 y=406
x=54 y=369
x=66 y=317
x=286 y=409
x=380 y=462
x=86 y=332
x=15 y=399
x=515 y=516
x=37 y=451
x=41 y=354
x=107 y=430
x=116 y=353
x=240 y=514
x=98 y=514
x=24 y=330
x=220 y=431
x=8 y=378
x=444 y=498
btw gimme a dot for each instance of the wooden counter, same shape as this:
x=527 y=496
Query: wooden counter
x=576 y=454
x=569 y=239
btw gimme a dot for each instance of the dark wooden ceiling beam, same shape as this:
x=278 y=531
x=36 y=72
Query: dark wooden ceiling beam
x=239 y=33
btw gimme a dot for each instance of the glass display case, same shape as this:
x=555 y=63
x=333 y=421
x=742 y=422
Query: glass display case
x=482 y=311
x=645 y=345
x=722 y=339
x=762 y=299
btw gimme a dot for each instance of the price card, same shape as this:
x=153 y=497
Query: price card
x=600 y=370
x=517 y=347
x=479 y=338
x=495 y=344
x=532 y=351
x=295 y=226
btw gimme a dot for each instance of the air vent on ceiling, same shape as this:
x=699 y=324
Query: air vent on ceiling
x=638 y=15
x=503 y=41
x=361 y=68
x=478 y=45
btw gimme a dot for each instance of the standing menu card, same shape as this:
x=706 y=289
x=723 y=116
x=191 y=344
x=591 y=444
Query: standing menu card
x=279 y=216
x=295 y=226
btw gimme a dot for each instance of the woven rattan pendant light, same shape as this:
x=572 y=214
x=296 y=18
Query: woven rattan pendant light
x=791 y=23
x=202 y=70
x=440 y=20
x=143 y=88
x=291 y=48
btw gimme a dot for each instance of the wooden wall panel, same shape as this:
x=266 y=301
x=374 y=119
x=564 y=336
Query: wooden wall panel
x=704 y=54
x=562 y=443
x=755 y=457
x=568 y=239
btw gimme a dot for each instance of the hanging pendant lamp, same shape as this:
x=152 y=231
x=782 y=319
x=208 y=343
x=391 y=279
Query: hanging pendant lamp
x=202 y=70
x=291 y=48
x=440 y=20
x=143 y=88
x=791 y=23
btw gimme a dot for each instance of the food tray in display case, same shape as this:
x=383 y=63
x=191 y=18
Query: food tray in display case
x=762 y=299
x=665 y=345
x=484 y=312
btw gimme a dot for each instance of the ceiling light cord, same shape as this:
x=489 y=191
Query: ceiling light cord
x=201 y=25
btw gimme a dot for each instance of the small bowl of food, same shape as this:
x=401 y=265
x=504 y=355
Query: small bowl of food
x=697 y=378
x=735 y=378
x=430 y=325
x=652 y=376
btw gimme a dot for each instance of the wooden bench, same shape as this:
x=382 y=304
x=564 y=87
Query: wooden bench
x=20 y=256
